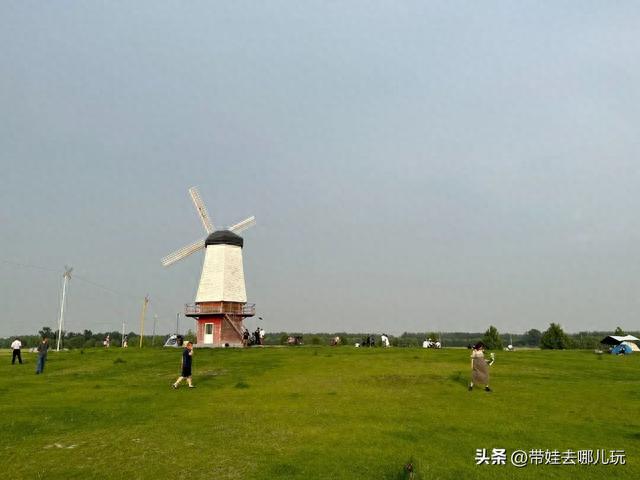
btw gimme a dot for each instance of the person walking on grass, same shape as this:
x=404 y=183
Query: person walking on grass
x=16 y=346
x=187 y=355
x=479 y=367
x=43 y=348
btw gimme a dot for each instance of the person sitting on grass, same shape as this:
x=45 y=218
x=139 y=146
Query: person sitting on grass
x=187 y=355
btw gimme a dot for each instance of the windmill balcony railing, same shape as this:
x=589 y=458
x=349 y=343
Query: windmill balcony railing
x=247 y=310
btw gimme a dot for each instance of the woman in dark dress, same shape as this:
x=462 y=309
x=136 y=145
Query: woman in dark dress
x=187 y=355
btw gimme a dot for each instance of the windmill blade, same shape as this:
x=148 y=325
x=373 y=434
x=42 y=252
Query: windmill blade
x=183 y=252
x=202 y=210
x=243 y=225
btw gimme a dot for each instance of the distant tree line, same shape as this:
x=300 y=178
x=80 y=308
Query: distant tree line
x=552 y=338
x=85 y=339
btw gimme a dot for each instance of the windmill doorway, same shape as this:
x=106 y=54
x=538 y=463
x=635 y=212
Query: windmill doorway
x=208 y=333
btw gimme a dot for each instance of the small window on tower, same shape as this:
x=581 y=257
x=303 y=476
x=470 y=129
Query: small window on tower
x=208 y=328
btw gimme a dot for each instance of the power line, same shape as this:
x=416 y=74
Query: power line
x=130 y=296
x=75 y=276
x=27 y=265
x=110 y=290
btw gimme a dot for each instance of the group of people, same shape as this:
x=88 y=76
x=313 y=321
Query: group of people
x=42 y=350
x=429 y=343
x=296 y=340
x=367 y=341
x=370 y=341
x=257 y=338
x=479 y=364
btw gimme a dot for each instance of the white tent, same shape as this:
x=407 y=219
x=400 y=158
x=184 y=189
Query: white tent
x=632 y=345
x=615 y=340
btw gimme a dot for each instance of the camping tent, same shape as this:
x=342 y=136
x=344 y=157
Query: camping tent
x=632 y=346
x=623 y=345
x=616 y=340
x=621 y=349
x=175 y=341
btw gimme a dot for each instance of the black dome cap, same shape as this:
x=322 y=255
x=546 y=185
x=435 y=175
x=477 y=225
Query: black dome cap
x=224 y=237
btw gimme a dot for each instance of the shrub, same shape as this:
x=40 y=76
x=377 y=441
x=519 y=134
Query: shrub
x=492 y=339
x=190 y=337
x=554 y=338
x=74 y=342
x=532 y=338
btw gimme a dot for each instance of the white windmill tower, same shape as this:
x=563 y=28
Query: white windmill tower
x=221 y=300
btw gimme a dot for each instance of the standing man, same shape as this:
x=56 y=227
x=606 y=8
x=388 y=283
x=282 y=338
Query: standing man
x=261 y=336
x=43 y=348
x=16 y=346
x=187 y=355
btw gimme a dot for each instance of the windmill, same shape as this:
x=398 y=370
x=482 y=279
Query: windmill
x=221 y=300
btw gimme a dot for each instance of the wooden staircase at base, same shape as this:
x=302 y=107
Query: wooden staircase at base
x=228 y=319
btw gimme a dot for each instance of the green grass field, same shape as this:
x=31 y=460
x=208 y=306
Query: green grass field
x=310 y=413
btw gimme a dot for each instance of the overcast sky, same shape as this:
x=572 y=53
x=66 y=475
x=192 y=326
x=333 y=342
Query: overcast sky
x=413 y=166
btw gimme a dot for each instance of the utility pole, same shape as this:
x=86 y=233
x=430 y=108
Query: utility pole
x=178 y=323
x=67 y=277
x=122 y=338
x=153 y=339
x=142 y=315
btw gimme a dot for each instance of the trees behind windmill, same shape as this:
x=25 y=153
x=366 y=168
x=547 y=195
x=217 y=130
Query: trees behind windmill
x=532 y=338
